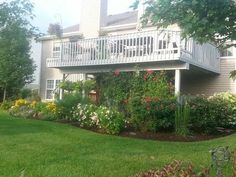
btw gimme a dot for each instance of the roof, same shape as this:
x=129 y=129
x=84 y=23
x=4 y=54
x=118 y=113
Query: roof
x=112 y=20
x=71 y=29
x=123 y=18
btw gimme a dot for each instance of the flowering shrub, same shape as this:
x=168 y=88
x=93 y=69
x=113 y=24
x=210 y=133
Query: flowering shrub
x=51 y=107
x=21 y=108
x=152 y=113
x=110 y=121
x=85 y=115
x=21 y=102
x=102 y=118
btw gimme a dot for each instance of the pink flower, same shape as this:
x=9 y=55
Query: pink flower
x=149 y=71
x=117 y=72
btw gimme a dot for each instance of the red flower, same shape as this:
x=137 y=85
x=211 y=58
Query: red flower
x=148 y=99
x=117 y=72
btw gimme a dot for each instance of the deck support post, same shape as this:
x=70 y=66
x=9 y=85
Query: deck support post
x=177 y=82
x=62 y=90
x=84 y=76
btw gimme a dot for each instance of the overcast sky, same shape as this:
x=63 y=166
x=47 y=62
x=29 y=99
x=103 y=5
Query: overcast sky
x=68 y=11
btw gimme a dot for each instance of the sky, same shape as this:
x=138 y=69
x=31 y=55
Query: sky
x=67 y=12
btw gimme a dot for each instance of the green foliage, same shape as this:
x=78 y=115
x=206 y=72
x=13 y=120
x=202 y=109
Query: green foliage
x=202 y=121
x=16 y=33
x=6 y=105
x=88 y=85
x=152 y=113
x=204 y=20
x=102 y=118
x=85 y=115
x=182 y=116
x=110 y=120
x=25 y=93
x=130 y=91
x=216 y=111
x=78 y=86
x=64 y=106
x=225 y=109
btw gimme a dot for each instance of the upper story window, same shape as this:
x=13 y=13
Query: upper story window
x=56 y=50
x=227 y=52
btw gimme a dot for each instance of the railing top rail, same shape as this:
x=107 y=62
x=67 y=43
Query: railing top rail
x=126 y=34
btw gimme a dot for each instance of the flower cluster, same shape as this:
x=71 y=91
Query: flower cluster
x=21 y=102
x=51 y=107
x=102 y=118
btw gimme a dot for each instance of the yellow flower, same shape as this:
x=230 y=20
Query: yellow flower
x=21 y=102
x=33 y=104
x=51 y=106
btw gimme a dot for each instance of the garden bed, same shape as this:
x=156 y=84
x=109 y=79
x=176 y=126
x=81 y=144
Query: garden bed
x=172 y=136
x=160 y=136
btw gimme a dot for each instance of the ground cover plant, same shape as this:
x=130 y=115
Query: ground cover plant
x=42 y=148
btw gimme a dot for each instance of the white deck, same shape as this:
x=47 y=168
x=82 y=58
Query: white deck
x=135 y=48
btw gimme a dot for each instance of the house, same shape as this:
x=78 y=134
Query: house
x=102 y=43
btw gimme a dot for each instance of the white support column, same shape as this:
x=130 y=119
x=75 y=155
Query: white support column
x=84 y=76
x=177 y=81
x=62 y=90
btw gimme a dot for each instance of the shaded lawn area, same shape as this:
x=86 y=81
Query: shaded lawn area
x=48 y=149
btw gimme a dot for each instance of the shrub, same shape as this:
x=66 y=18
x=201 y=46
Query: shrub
x=152 y=114
x=102 y=118
x=25 y=93
x=207 y=114
x=64 y=106
x=109 y=120
x=6 y=105
x=225 y=109
x=202 y=120
x=86 y=115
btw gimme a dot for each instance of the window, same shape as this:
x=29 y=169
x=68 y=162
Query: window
x=227 y=52
x=56 y=50
x=52 y=88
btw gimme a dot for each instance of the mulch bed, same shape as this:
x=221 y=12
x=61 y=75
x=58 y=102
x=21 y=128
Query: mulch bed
x=173 y=136
x=161 y=136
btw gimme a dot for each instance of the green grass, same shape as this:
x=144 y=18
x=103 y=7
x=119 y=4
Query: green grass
x=47 y=149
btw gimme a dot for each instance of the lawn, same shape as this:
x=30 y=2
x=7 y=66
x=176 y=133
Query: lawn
x=48 y=149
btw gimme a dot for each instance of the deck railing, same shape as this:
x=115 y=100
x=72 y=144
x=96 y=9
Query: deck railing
x=136 y=47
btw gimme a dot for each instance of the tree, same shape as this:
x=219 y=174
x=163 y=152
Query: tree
x=16 y=33
x=55 y=29
x=203 y=20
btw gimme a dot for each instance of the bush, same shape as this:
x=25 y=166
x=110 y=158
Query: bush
x=207 y=114
x=102 y=118
x=152 y=114
x=25 y=93
x=225 y=109
x=85 y=115
x=201 y=118
x=65 y=106
x=109 y=120
x=6 y=105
